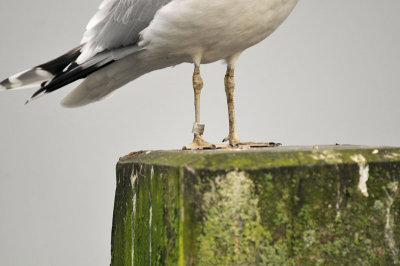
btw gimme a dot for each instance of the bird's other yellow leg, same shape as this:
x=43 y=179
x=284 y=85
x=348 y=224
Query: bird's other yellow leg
x=229 y=90
x=198 y=129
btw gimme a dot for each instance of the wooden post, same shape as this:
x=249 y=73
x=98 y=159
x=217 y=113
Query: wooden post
x=279 y=206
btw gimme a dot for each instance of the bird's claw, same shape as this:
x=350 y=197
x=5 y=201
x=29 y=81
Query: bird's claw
x=233 y=141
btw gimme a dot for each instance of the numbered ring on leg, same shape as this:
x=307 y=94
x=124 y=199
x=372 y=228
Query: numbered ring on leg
x=198 y=129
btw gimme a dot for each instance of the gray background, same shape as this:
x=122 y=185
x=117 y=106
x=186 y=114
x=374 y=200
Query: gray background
x=329 y=74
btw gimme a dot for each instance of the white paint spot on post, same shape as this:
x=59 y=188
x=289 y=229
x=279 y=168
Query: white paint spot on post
x=150 y=222
x=338 y=201
x=134 y=177
x=150 y=213
x=364 y=173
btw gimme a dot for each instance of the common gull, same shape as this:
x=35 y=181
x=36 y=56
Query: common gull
x=128 y=38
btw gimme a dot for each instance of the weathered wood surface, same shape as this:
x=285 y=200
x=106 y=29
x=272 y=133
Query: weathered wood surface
x=277 y=206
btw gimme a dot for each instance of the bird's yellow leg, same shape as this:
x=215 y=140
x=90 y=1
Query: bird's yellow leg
x=198 y=129
x=233 y=137
x=229 y=89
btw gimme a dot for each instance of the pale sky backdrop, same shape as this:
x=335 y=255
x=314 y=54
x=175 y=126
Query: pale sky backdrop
x=330 y=74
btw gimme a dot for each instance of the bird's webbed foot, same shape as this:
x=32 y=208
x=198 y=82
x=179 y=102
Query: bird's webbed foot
x=235 y=142
x=199 y=144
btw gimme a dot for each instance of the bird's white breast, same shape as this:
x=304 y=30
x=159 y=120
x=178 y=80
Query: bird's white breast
x=213 y=29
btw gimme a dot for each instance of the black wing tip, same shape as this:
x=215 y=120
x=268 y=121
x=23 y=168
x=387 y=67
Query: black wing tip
x=57 y=65
x=5 y=84
x=55 y=68
x=71 y=75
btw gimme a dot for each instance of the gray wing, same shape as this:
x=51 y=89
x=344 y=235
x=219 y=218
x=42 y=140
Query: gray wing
x=117 y=24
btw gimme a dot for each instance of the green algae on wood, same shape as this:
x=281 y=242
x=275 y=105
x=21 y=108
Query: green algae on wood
x=280 y=206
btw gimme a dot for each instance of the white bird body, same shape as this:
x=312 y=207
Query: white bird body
x=213 y=29
x=200 y=31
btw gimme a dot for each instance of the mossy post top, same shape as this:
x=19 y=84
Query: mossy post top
x=305 y=205
x=264 y=157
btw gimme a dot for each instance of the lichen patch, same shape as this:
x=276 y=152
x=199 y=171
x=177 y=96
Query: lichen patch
x=391 y=190
x=233 y=234
x=392 y=155
x=327 y=156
